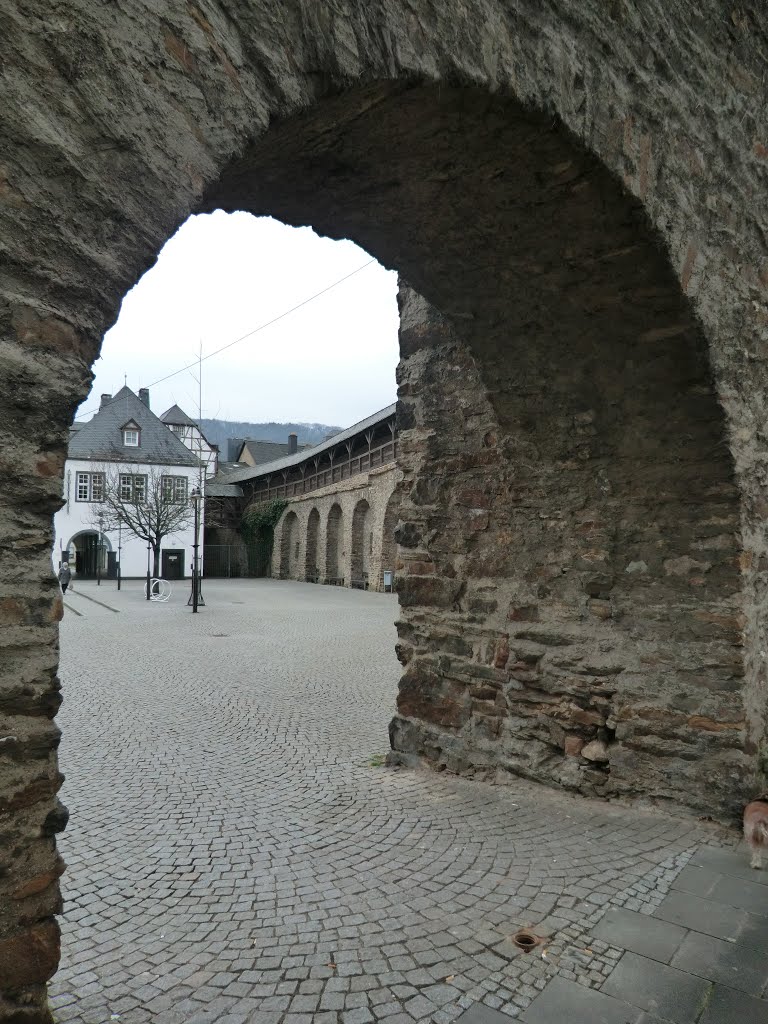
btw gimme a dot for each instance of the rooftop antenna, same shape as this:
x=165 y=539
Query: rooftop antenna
x=199 y=435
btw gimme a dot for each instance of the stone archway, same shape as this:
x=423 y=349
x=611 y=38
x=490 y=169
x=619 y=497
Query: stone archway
x=289 y=542
x=87 y=554
x=361 y=543
x=388 y=558
x=311 y=569
x=334 y=540
x=584 y=238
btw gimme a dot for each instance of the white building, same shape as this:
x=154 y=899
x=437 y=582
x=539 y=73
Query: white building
x=125 y=447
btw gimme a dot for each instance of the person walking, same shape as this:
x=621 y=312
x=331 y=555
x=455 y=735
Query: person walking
x=65 y=576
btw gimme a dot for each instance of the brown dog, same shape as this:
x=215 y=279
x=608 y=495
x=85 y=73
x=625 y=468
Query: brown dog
x=756 y=829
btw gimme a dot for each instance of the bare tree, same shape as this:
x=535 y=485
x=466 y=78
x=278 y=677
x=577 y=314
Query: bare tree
x=149 y=502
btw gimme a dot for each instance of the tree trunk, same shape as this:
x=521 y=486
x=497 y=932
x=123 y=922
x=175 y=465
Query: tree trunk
x=156 y=560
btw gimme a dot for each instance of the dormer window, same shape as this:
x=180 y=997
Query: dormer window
x=131 y=435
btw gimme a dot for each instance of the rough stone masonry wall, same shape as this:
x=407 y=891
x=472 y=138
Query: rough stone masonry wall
x=571 y=591
x=519 y=163
x=378 y=488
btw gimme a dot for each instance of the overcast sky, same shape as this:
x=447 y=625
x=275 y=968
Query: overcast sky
x=222 y=275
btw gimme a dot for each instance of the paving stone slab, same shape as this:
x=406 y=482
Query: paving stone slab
x=697 y=880
x=729 y=861
x=701 y=915
x=567 y=1001
x=737 y=892
x=641 y=933
x=663 y=990
x=738 y=966
x=726 y=1006
x=754 y=932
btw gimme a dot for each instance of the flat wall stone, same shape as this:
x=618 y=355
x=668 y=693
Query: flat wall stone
x=579 y=190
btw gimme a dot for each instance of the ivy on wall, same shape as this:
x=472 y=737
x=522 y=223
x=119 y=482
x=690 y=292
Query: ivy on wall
x=259 y=520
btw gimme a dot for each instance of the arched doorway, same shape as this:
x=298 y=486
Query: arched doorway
x=289 y=543
x=388 y=562
x=571 y=489
x=362 y=543
x=312 y=570
x=334 y=536
x=89 y=555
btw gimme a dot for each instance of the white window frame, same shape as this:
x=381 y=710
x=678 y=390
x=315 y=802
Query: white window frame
x=134 y=434
x=133 y=488
x=89 y=486
x=83 y=486
x=175 y=490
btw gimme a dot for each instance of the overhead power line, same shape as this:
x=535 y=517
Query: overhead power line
x=250 y=334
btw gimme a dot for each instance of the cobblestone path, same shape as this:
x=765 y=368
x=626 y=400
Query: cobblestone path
x=238 y=852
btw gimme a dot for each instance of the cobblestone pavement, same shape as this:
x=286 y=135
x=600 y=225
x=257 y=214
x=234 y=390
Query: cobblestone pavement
x=239 y=853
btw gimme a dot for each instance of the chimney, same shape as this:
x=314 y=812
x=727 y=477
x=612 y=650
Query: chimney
x=104 y=400
x=293 y=444
x=144 y=396
x=234 y=444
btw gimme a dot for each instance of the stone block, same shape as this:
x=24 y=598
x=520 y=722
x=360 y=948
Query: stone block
x=29 y=957
x=664 y=991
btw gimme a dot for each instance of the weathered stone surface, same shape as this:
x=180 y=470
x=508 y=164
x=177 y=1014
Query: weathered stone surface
x=29 y=957
x=579 y=194
x=638 y=672
x=596 y=751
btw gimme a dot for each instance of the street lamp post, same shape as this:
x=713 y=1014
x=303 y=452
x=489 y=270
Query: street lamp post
x=196 y=598
x=119 y=550
x=196 y=498
x=98 y=552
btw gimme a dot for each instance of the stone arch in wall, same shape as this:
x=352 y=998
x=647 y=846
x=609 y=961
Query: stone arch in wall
x=581 y=233
x=289 y=543
x=334 y=544
x=388 y=541
x=362 y=542
x=312 y=567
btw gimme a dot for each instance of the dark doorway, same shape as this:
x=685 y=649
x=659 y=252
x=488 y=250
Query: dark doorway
x=86 y=555
x=173 y=564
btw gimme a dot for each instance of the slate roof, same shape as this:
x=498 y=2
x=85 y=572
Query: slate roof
x=268 y=451
x=101 y=438
x=177 y=416
x=217 y=489
x=252 y=472
x=225 y=468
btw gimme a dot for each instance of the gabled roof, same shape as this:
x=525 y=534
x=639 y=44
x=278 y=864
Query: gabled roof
x=177 y=417
x=268 y=451
x=101 y=438
x=252 y=472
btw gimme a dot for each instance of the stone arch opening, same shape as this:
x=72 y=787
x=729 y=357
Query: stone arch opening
x=568 y=356
x=334 y=539
x=549 y=347
x=388 y=541
x=87 y=554
x=312 y=569
x=362 y=543
x=289 y=541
